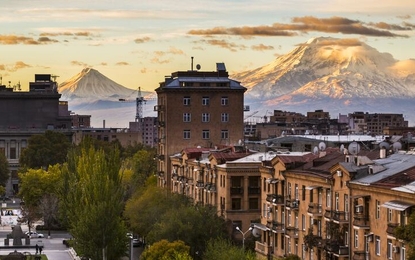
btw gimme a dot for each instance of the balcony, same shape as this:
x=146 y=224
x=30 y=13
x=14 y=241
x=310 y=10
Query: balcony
x=254 y=190
x=337 y=216
x=361 y=255
x=315 y=209
x=200 y=184
x=337 y=249
x=361 y=221
x=161 y=174
x=390 y=230
x=237 y=190
x=275 y=199
x=292 y=204
x=276 y=226
x=291 y=232
x=262 y=248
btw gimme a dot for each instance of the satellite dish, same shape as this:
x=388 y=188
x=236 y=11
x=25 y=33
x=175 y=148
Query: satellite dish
x=315 y=150
x=396 y=146
x=256 y=232
x=354 y=148
x=384 y=145
x=322 y=146
x=198 y=67
x=341 y=148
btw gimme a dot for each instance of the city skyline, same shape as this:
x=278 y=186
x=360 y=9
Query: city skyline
x=137 y=44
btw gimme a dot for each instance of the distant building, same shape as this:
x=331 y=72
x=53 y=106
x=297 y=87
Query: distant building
x=197 y=108
x=148 y=127
x=124 y=136
x=27 y=113
x=81 y=121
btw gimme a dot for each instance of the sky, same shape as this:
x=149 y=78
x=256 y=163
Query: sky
x=138 y=43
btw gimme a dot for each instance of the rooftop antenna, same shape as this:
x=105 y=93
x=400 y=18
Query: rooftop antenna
x=54 y=77
x=192 y=63
x=1 y=79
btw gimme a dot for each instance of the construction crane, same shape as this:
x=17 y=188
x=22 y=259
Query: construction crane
x=139 y=106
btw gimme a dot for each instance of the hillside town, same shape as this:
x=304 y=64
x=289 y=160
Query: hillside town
x=317 y=186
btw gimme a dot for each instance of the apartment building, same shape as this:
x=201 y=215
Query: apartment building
x=197 y=108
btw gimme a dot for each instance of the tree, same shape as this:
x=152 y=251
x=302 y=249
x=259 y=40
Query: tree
x=406 y=233
x=223 y=249
x=45 y=149
x=95 y=203
x=4 y=170
x=165 y=250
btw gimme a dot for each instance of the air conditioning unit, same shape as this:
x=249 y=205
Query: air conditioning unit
x=359 y=209
x=295 y=203
x=370 y=238
x=396 y=249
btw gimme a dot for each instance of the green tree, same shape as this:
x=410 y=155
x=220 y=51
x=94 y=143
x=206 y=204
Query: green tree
x=406 y=233
x=4 y=170
x=165 y=250
x=34 y=184
x=193 y=224
x=223 y=249
x=45 y=149
x=95 y=203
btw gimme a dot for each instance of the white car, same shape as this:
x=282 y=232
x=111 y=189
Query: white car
x=34 y=234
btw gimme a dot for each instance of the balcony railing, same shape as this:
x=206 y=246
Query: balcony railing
x=337 y=249
x=339 y=216
x=275 y=199
x=276 y=226
x=262 y=248
x=361 y=221
x=361 y=255
x=254 y=190
x=315 y=209
x=237 y=190
x=292 y=232
x=292 y=204
x=390 y=230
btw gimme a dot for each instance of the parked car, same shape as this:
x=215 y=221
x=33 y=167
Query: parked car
x=137 y=242
x=34 y=234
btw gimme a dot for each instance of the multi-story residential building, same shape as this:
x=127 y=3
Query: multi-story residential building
x=197 y=108
x=81 y=121
x=124 y=136
x=374 y=124
x=29 y=113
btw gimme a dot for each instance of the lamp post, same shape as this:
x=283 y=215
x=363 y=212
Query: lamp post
x=130 y=236
x=243 y=236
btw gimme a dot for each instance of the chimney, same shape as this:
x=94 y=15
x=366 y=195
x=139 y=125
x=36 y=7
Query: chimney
x=103 y=123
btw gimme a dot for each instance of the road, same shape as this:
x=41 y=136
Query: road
x=54 y=248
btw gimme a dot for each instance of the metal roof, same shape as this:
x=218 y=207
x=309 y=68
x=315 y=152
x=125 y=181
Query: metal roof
x=397 y=205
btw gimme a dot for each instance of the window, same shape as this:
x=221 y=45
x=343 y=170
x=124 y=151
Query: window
x=389 y=249
x=205 y=117
x=186 y=101
x=205 y=134
x=224 y=101
x=328 y=198
x=303 y=222
x=12 y=154
x=187 y=117
x=186 y=134
x=224 y=134
x=236 y=203
x=389 y=215
x=377 y=245
x=336 y=199
x=356 y=238
x=224 y=117
x=377 y=209
x=296 y=191
x=303 y=192
x=205 y=101
x=289 y=190
x=253 y=203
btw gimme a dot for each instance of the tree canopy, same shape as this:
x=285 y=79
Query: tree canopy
x=223 y=249
x=165 y=250
x=95 y=203
x=45 y=149
x=4 y=170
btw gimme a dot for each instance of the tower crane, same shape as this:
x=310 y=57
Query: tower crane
x=139 y=106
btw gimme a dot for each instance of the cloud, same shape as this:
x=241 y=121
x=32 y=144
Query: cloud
x=387 y=26
x=262 y=47
x=2 y=67
x=103 y=64
x=160 y=56
x=405 y=17
x=79 y=63
x=341 y=42
x=409 y=25
x=143 y=70
x=307 y=24
x=224 y=44
x=142 y=40
x=46 y=40
x=14 y=39
x=18 y=65
x=122 y=63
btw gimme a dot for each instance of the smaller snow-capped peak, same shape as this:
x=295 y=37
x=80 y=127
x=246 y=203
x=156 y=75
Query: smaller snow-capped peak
x=91 y=84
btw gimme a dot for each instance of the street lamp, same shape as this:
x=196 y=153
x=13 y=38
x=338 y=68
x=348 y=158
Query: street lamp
x=243 y=236
x=130 y=236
